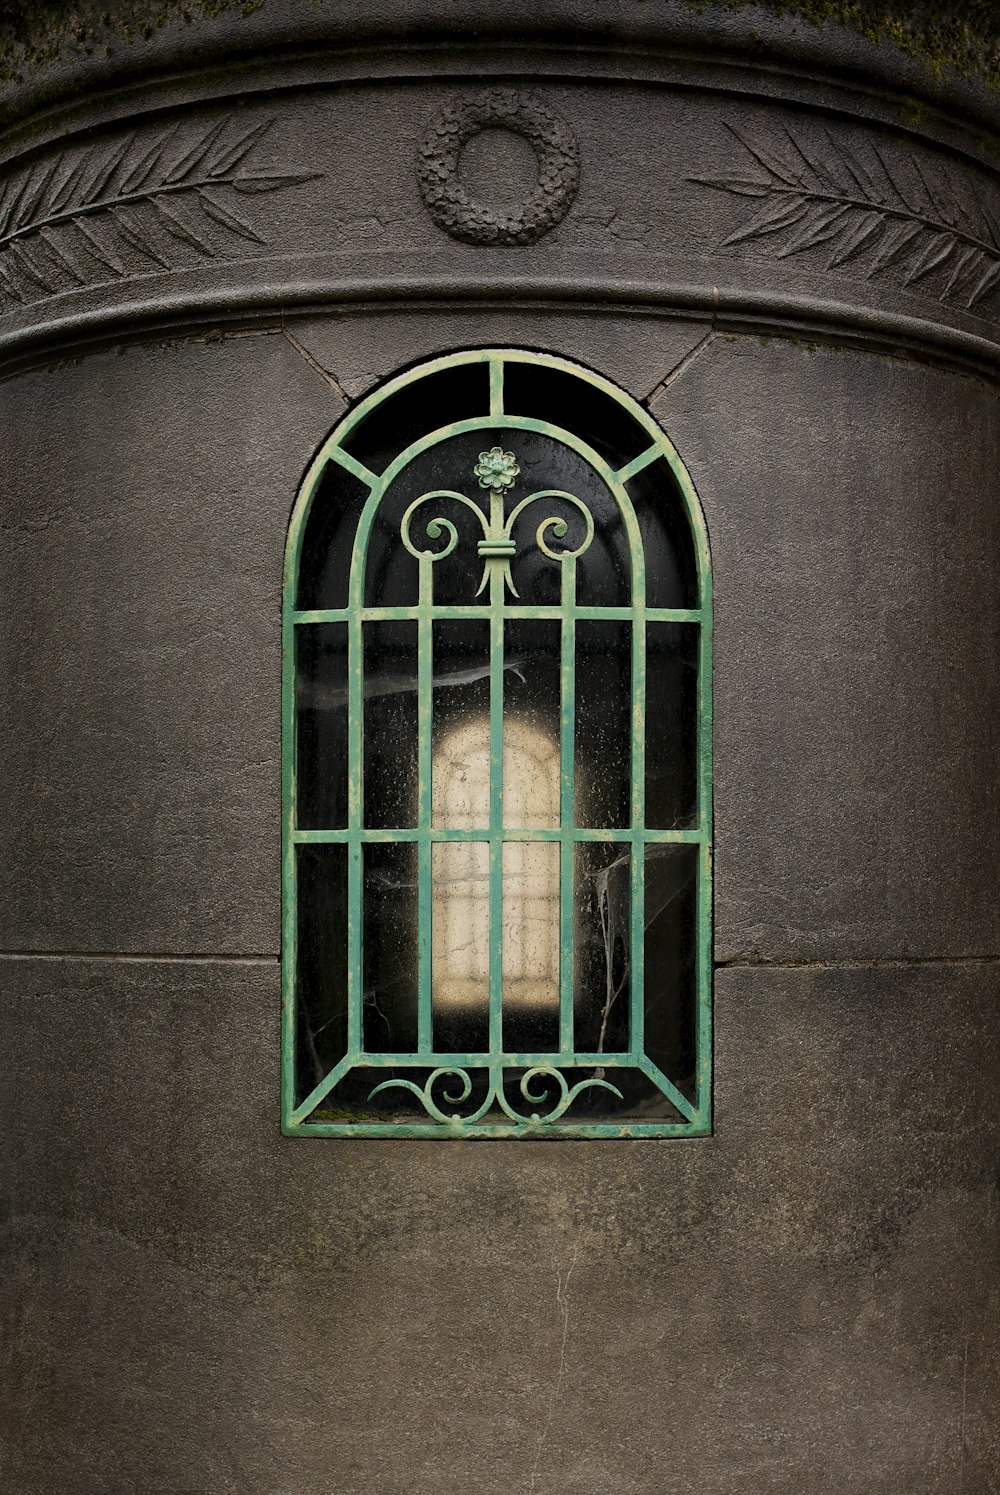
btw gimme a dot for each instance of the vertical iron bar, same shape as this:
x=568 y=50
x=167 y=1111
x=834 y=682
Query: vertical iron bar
x=567 y=743
x=289 y=911
x=355 y=806
x=425 y=702
x=637 y=870
x=703 y=1043
x=496 y=758
x=496 y=785
x=496 y=386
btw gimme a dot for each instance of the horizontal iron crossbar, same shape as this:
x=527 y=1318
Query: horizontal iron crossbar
x=550 y=614
x=543 y=833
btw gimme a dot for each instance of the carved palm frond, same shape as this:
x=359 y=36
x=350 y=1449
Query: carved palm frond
x=86 y=217
x=882 y=211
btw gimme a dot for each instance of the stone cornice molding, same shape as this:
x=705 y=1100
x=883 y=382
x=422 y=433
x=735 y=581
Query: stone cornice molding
x=399 y=30
x=786 y=186
x=264 y=302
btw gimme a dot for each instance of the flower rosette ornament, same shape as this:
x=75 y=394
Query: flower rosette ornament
x=497 y=469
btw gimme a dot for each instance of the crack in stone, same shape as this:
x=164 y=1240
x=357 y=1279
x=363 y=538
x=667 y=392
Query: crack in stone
x=682 y=367
x=691 y=356
x=315 y=365
x=562 y=1302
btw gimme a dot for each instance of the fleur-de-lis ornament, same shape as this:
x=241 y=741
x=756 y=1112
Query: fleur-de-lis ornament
x=497 y=472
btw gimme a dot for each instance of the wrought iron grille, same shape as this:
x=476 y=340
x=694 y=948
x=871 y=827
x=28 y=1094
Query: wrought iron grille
x=496 y=766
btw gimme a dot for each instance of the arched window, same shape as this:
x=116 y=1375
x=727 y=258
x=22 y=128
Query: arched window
x=497 y=733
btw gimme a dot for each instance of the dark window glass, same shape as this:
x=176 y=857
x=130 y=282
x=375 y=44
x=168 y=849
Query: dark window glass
x=671 y=725
x=390 y=725
x=321 y=756
x=321 y=964
x=328 y=539
x=603 y=719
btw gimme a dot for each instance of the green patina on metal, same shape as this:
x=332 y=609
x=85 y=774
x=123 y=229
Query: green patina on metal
x=545 y=1097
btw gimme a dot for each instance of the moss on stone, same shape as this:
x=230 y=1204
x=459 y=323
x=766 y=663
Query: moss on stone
x=33 y=32
x=941 y=34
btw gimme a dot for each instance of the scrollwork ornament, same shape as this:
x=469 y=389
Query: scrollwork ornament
x=437 y=526
x=452 y=1097
x=497 y=547
x=556 y=525
x=553 y=1107
x=465 y=217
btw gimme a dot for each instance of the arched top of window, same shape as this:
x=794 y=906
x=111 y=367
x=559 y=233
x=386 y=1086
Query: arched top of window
x=397 y=437
x=496 y=767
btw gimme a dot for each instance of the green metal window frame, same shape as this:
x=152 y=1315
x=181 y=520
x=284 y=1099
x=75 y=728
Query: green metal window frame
x=544 y=1079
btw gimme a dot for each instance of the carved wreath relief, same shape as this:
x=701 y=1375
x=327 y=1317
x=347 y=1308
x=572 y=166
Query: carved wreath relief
x=464 y=217
x=889 y=209
x=105 y=213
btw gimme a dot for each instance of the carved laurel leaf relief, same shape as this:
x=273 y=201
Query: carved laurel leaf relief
x=105 y=213
x=890 y=209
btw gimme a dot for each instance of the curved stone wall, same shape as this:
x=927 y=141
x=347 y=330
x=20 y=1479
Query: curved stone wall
x=787 y=244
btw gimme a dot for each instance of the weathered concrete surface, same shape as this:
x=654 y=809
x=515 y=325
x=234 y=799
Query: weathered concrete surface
x=807 y=1302
x=145 y=499
x=853 y=506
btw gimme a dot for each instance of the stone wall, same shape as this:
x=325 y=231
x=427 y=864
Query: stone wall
x=788 y=246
